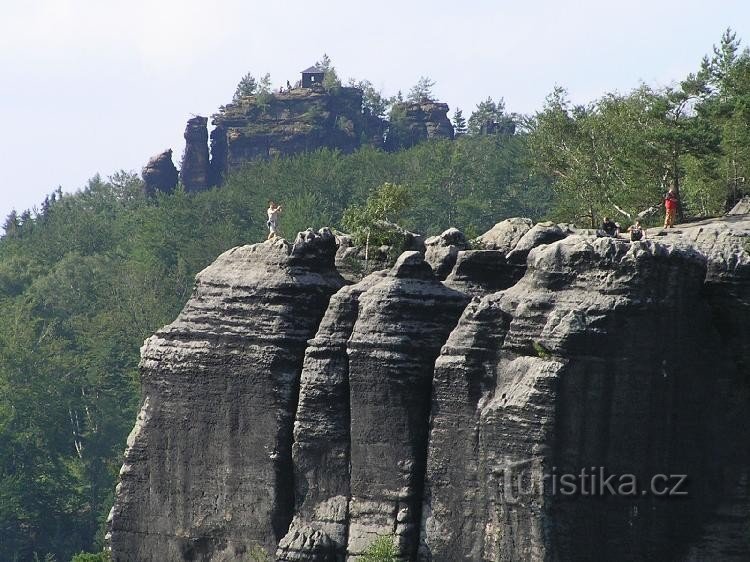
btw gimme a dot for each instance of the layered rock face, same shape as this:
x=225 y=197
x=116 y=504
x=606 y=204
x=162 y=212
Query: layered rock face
x=160 y=174
x=208 y=470
x=452 y=416
x=194 y=171
x=596 y=358
x=416 y=122
x=299 y=120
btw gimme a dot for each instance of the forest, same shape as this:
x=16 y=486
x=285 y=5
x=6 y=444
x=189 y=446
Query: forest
x=86 y=277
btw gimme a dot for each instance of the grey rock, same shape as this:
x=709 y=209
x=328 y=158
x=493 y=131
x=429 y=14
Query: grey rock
x=416 y=410
x=194 y=171
x=596 y=357
x=208 y=470
x=505 y=235
x=403 y=321
x=742 y=207
x=481 y=272
x=321 y=430
x=160 y=174
x=540 y=233
x=441 y=251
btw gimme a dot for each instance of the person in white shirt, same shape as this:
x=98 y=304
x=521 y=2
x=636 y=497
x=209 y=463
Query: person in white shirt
x=273 y=219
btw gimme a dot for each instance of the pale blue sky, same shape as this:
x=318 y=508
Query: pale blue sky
x=91 y=86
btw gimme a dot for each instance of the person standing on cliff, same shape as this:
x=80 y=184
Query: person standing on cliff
x=670 y=205
x=273 y=219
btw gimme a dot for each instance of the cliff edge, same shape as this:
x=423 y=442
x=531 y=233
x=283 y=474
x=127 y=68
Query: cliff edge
x=287 y=412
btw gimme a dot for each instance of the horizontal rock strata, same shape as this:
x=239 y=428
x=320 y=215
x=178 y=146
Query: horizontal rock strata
x=288 y=415
x=208 y=470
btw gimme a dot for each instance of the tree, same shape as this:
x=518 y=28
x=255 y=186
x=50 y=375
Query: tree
x=12 y=224
x=490 y=118
x=727 y=76
x=373 y=102
x=264 y=86
x=459 y=123
x=368 y=222
x=331 y=79
x=421 y=91
x=246 y=87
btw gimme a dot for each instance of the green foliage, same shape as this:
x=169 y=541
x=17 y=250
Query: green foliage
x=246 y=87
x=490 y=116
x=381 y=550
x=256 y=553
x=541 y=351
x=264 y=86
x=91 y=557
x=422 y=90
x=331 y=81
x=459 y=123
x=369 y=222
x=373 y=102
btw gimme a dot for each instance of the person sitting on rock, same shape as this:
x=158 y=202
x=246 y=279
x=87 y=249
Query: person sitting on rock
x=610 y=228
x=636 y=232
x=273 y=219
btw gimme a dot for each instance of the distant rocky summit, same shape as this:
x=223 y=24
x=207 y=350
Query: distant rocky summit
x=290 y=412
x=296 y=120
x=160 y=174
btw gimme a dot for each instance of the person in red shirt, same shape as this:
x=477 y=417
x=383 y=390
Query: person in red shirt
x=670 y=203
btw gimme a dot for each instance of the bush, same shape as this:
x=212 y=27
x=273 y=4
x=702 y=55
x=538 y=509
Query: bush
x=382 y=550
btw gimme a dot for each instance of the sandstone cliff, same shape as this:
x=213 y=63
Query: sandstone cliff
x=160 y=174
x=281 y=124
x=286 y=412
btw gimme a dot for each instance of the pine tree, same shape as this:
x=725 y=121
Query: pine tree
x=246 y=87
x=422 y=90
x=459 y=123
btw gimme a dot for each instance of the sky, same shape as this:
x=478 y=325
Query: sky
x=98 y=86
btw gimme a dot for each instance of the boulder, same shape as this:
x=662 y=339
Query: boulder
x=742 y=207
x=540 y=233
x=442 y=250
x=505 y=235
x=159 y=174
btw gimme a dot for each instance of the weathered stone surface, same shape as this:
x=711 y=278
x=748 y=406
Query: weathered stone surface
x=596 y=358
x=194 y=171
x=208 y=469
x=505 y=235
x=402 y=323
x=742 y=207
x=160 y=174
x=540 y=233
x=280 y=124
x=590 y=352
x=442 y=250
x=481 y=272
x=416 y=122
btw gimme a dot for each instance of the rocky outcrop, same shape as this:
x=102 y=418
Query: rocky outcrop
x=505 y=235
x=441 y=251
x=194 y=171
x=282 y=124
x=414 y=122
x=208 y=470
x=446 y=422
x=355 y=262
x=565 y=371
x=159 y=174
x=403 y=321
